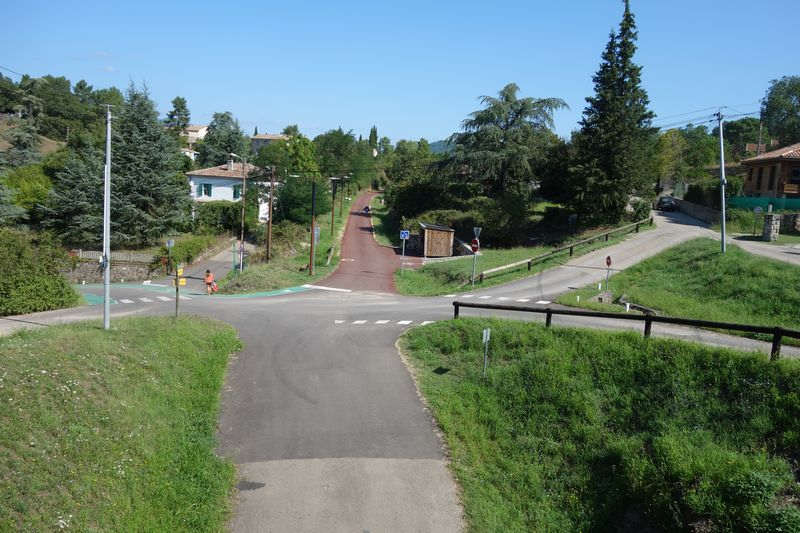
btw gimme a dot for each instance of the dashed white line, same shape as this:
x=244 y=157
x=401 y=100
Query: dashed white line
x=404 y=322
x=449 y=296
x=523 y=300
x=185 y=298
x=164 y=298
x=338 y=321
x=126 y=301
x=503 y=298
x=359 y=321
x=484 y=297
x=467 y=295
x=542 y=302
x=148 y=300
x=381 y=321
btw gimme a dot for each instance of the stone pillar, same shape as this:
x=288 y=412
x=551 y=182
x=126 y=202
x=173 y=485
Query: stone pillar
x=772 y=227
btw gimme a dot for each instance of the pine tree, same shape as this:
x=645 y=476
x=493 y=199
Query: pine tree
x=178 y=118
x=9 y=212
x=255 y=131
x=616 y=144
x=373 y=137
x=224 y=136
x=24 y=145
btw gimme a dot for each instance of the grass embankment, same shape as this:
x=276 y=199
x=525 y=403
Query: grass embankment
x=694 y=280
x=385 y=233
x=783 y=240
x=577 y=430
x=454 y=276
x=290 y=268
x=114 y=431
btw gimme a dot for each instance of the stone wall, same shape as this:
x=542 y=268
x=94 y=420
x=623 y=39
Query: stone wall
x=700 y=212
x=772 y=227
x=89 y=271
x=790 y=223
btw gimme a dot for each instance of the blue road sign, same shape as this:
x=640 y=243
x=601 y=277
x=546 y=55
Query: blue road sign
x=404 y=234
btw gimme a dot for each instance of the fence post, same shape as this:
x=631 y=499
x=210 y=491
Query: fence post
x=648 y=323
x=548 y=319
x=637 y=227
x=606 y=237
x=651 y=221
x=455 y=309
x=776 y=344
x=480 y=278
x=529 y=265
x=570 y=250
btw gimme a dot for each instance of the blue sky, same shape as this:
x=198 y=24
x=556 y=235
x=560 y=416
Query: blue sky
x=415 y=69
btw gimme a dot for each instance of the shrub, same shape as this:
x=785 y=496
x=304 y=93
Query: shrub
x=217 y=217
x=31 y=280
x=641 y=209
x=187 y=248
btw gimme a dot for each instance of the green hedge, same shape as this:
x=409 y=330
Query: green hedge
x=31 y=280
x=217 y=217
x=187 y=248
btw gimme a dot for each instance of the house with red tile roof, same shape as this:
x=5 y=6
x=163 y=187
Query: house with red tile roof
x=774 y=174
x=223 y=182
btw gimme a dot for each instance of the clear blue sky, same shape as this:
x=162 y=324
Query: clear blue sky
x=415 y=69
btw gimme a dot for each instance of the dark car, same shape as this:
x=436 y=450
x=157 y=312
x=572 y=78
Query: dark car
x=667 y=203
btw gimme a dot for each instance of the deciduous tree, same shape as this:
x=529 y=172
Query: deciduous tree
x=781 y=109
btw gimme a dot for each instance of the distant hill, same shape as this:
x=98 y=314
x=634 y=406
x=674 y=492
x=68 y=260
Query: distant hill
x=46 y=146
x=441 y=147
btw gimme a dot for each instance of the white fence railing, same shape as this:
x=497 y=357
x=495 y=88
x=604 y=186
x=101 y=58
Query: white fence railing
x=125 y=257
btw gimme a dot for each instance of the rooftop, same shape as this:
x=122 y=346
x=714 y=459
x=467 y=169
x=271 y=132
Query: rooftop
x=271 y=137
x=787 y=152
x=221 y=171
x=195 y=127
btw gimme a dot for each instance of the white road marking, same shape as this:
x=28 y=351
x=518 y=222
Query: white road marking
x=427 y=322
x=467 y=295
x=449 y=296
x=381 y=321
x=484 y=297
x=185 y=298
x=126 y=301
x=320 y=287
x=404 y=322
x=164 y=298
x=523 y=300
x=542 y=302
x=338 y=321
x=148 y=300
x=359 y=321
x=503 y=298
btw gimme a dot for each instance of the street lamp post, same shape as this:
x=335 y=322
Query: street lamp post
x=244 y=196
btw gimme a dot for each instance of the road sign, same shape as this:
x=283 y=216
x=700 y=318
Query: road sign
x=180 y=271
x=477 y=232
x=404 y=234
x=758 y=210
x=170 y=243
x=475 y=245
x=182 y=282
x=608 y=261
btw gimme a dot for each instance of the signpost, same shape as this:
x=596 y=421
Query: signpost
x=757 y=210
x=487 y=334
x=476 y=246
x=404 y=237
x=178 y=282
x=170 y=244
x=608 y=269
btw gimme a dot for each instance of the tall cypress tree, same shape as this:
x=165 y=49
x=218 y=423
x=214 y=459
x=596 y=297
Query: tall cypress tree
x=616 y=144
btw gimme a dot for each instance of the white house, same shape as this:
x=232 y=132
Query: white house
x=223 y=182
x=259 y=141
x=188 y=152
x=194 y=133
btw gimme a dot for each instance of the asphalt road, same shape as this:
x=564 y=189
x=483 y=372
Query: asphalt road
x=319 y=412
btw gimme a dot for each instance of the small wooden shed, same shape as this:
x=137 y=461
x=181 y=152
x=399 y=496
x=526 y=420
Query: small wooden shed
x=437 y=241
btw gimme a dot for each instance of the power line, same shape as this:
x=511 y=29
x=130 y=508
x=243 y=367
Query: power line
x=12 y=71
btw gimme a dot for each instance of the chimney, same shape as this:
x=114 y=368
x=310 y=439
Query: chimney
x=230 y=164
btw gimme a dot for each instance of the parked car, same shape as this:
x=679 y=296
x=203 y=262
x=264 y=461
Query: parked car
x=667 y=203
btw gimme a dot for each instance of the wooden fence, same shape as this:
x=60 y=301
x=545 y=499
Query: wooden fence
x=777 y=332
x=571 y=247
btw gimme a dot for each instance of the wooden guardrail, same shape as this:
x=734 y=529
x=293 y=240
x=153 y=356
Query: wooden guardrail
x=777 y=332
x=571 y=247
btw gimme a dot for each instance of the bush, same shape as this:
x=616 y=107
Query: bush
x=641 y=209
x=187 y=248
x=31 y=280
x=217 y=217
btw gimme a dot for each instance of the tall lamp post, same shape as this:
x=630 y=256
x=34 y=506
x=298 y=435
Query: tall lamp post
x=244 y=196
x=334 y=181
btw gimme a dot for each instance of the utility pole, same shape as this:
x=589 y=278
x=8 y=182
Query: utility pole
x=333 y=202
x=244 y=197
x=722 y=181
x=313 y=207
x=269 y=221
x=106 y=260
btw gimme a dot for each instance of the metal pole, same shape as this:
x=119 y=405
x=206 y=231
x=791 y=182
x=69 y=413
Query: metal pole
x=244 y=196
x=269 y=222
x=333 y=204
x=107 y=226
x=722 y=177
x=313 y=207
x=474 y=262
x=404 y=248
x=608 y=271
x=177 y=291
x=341 y=201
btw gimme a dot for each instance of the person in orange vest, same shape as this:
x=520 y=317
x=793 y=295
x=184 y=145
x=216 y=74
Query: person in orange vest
x=209 y=281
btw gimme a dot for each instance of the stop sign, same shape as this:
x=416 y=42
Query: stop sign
x=608 y=261
x=475 y=245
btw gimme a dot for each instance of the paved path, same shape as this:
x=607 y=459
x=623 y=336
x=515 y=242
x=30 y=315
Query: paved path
x=365 y=264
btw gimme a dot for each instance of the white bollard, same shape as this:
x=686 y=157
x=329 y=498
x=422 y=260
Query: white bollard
x=627 y=308
x=600 y=286
x=579 y=297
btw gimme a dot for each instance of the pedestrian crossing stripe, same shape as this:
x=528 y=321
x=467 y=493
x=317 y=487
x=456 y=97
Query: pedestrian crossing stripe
x=381 y=321
x=359 y=321
x=164 y=298
x=126 y=301
x=404 y=322
x=147 y=300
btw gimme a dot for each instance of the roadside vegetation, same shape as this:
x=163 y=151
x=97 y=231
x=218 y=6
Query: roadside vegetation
x=289 y=264
x=578 y=430
x=454 y=276
x=385 y=233
x=114 y=430
x=694 y=280
x=31 y=279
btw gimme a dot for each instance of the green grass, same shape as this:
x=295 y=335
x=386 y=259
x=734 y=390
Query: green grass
x=577 y=430
x=291 y=270
x=454 y=276
x=385 y=233
x=694 y=280
x=114 y=431
x=783 y=240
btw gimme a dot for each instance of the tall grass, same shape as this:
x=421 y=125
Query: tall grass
x=576 y=430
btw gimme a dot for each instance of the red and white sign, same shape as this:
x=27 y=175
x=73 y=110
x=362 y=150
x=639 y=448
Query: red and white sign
x=608 y=261
x=475 y=245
